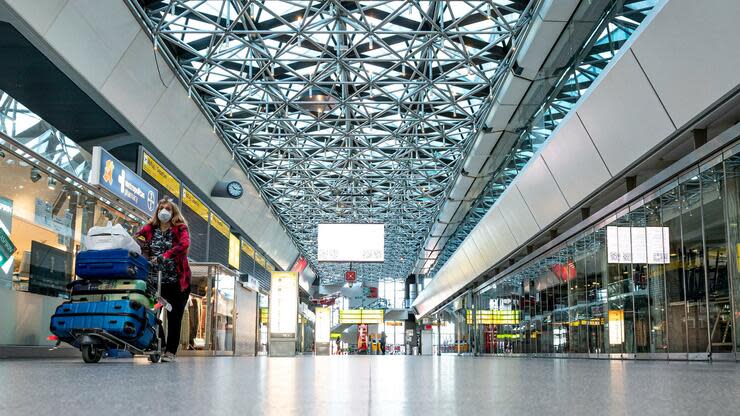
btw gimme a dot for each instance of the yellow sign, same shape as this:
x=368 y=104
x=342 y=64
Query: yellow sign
x=507 y=336
x=160 y=174
x=493 y=317
x=269 y=267
x=583 y=322
x=264 y=316
x=194 y=203
x=234 y=254
x=259 y=259
x=249 y=250
x=220 y=225
x=361 y=316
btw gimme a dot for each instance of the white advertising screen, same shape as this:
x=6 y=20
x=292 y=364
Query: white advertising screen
x=351 y=243
x=323 y=325
x=284 y=303
x=644 y=245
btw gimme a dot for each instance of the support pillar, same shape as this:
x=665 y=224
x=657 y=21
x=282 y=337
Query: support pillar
x=439 y=336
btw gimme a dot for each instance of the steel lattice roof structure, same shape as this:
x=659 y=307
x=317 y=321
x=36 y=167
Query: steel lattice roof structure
x=343 y=111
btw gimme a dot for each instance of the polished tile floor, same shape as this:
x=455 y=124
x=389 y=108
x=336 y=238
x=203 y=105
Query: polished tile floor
x=353 y=385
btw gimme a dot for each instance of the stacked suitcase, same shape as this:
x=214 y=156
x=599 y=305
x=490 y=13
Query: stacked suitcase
x=112 y=296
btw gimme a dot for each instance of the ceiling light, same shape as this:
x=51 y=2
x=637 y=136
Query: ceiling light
x=35 y=175
x=316 y=101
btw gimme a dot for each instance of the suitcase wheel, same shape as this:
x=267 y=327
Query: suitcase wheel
x=90 y=354
x=128 y=328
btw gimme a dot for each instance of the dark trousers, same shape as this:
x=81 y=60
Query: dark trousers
x=179 y=300
x=382 y=347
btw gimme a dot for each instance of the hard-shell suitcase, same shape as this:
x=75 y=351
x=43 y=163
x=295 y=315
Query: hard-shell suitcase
x=100 y=290
x=124 y=319
x=111 y=264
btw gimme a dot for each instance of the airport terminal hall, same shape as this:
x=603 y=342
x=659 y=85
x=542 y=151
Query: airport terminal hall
x=381 y=207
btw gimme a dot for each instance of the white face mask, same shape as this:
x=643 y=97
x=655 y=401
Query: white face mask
x=164 y=215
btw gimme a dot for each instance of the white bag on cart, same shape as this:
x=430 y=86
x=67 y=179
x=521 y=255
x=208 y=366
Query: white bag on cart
x=110 y=237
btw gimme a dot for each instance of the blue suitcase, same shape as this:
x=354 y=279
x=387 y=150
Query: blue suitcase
x=124 y=319
x=111 y=264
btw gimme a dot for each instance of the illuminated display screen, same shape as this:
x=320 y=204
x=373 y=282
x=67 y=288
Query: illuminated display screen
x=362 y=243
x=642 y=245
x=323 y=324
x=283 y=308
x=361 y=316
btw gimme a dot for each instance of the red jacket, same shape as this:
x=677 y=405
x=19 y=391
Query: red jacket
x=178 y=252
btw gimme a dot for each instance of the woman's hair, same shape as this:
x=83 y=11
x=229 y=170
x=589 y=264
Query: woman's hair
x=177 y=217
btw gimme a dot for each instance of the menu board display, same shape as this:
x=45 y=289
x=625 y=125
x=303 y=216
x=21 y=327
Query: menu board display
x=284 y=303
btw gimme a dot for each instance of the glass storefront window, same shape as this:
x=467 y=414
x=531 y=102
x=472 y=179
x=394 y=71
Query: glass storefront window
x=45 y=218
x=658 y=279
x=732 y=204
x=720 y=324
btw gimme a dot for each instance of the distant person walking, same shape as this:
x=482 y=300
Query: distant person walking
x=382 y=342
x=339 y=346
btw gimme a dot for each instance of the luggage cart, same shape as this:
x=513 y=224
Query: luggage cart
x=95 y=343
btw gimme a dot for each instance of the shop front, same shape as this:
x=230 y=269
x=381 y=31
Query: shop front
x=51 y=194
x=44 y=213
x=656 y=278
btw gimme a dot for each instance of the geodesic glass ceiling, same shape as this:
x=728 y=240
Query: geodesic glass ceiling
x=343 y=111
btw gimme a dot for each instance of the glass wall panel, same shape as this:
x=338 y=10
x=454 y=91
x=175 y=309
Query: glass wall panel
x=563 y=270
x=693 y=262
x=674 y=282
x=639 y=271
x=597 y=278
x=620 y=322
x=732 y=204
x=578 y=306
x=656 y=280
x=715 y=241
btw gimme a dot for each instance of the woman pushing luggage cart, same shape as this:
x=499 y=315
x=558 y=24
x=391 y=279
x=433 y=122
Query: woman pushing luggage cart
x=107 y=313
x=165 y=240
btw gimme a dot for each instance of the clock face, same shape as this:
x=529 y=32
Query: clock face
x=235 y=189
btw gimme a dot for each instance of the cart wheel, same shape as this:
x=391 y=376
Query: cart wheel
x=90 y=354
x=154 y=358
